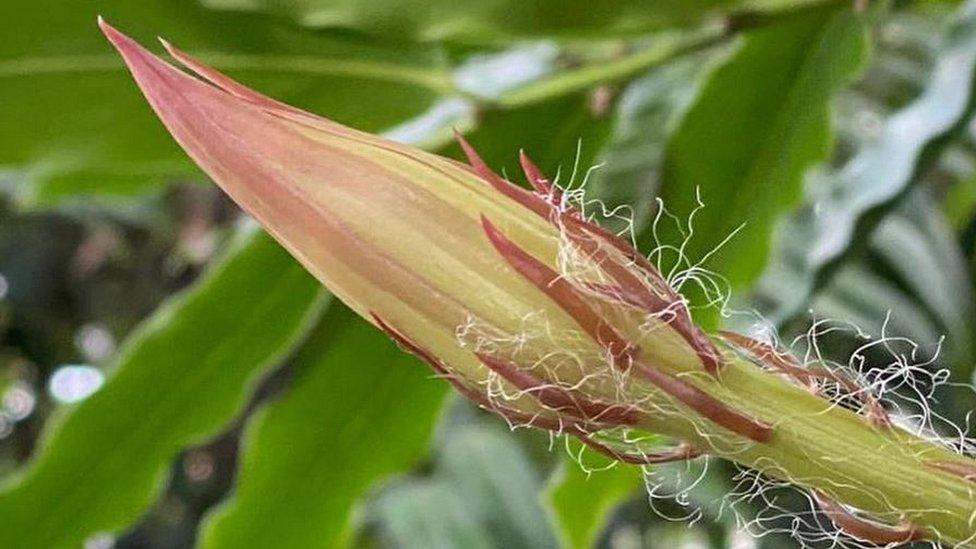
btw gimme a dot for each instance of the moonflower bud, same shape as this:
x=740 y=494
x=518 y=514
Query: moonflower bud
x=539 y=315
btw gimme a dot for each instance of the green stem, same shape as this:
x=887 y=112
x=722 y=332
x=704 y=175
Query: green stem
x=663 y=50
x=616 y=70
x=885 y=472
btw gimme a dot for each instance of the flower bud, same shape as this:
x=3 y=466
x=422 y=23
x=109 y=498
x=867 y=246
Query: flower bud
x=536 y=313
x=522 y=303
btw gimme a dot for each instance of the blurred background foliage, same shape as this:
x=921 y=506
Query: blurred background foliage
x=169 y=377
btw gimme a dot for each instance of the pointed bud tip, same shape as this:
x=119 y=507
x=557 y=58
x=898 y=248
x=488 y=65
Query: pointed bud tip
x=175 y=52
x=110 y=32
x=127 y=47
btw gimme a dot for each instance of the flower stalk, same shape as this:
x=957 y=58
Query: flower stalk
x=539 y=315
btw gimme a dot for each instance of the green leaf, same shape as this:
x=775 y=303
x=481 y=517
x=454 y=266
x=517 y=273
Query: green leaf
x=913 y=269
x=913 y=282
x=916 y=274
x=430 y=514
x=563 y=136
x=359 y=409
x=482 y=492
x=179 y=379
x=581 y=502
x=477 y=21
x=655 y=51
x=846 y=206
x=630 y=163
x=505 y=482
x=960 y=202
x=760 y=121
x=861 y=297
x=924 y=257
x=75 y=121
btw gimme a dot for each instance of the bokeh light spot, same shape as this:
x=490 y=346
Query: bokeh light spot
x=95 y=342
x=18 y=401
x=73 y=383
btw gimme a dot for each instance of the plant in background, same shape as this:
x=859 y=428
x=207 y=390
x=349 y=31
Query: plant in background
x=531 y=310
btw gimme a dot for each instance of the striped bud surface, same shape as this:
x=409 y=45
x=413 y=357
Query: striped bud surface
x=536 y=313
